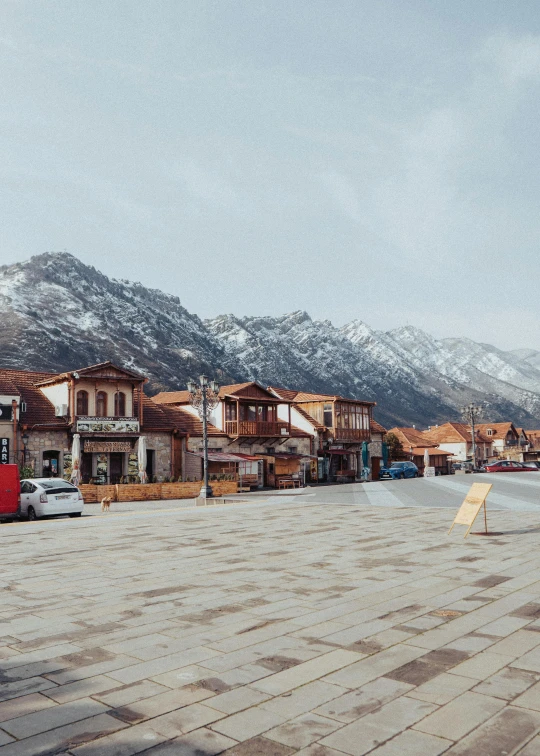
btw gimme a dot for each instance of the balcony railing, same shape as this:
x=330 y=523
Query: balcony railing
x=253 y=428
x=350 y=434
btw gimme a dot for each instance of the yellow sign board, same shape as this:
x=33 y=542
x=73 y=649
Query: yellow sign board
x=468 y=511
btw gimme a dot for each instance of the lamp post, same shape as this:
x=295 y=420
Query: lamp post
x=472 y=414
x=25 y=439
x=204 y=397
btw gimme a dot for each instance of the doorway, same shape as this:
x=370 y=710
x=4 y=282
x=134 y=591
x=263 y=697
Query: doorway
x=51 y=464
x=116 y=467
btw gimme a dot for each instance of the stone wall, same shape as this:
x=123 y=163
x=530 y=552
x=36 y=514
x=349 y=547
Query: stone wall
x=160 y=443
x=42 y=441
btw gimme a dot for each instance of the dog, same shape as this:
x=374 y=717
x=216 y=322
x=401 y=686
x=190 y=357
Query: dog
x=106 y=503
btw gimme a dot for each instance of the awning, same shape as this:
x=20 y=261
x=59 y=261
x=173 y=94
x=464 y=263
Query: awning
x=224 y=457
x=218 y=456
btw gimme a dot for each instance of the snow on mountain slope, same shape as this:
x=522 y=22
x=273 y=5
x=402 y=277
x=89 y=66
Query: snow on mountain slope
x=57 y=313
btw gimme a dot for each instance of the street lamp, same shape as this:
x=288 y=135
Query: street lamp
x=471 y=414
x=204 y=397
x=25 y=438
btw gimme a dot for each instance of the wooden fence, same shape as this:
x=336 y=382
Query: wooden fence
x=154 y=491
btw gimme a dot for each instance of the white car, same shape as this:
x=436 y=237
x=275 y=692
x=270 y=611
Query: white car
x=45 y=497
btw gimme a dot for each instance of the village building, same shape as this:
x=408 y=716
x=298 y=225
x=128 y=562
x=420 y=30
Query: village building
x=507 y=440
x=415 y=443
x=456 y=438
x=338 y=427
x=376 y=450
x=41 y=412
x=252 y=432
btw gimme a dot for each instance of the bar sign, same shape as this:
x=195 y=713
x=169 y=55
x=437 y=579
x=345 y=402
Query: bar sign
x=4 y=451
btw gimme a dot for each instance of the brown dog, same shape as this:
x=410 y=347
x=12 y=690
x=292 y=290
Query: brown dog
x=106 y=503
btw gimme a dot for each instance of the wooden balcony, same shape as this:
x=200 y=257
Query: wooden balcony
x=351 y=435
x=253 y=428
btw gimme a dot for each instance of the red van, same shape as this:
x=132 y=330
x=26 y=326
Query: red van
x=10 y=491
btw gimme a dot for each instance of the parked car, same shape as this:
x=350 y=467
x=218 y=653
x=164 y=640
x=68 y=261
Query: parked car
x=9 y=492
x=507 y=465
x=534 y=465
x=46 y=497
x=399 y=470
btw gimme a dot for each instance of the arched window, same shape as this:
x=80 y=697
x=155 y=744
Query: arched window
x=120 y=404
x=101 y=404
x=82 y=402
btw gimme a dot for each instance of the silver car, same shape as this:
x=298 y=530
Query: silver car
x=46 y=497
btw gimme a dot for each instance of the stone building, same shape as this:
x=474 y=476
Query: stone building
x=106 y=405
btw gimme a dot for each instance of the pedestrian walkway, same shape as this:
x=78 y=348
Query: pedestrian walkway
x=292 y=626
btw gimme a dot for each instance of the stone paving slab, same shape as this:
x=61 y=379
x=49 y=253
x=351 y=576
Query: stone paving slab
x=313 y=628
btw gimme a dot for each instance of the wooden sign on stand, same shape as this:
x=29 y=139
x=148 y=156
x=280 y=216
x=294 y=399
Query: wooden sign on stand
x=468 y=511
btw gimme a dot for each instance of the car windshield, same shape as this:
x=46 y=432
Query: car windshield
x=398 y=464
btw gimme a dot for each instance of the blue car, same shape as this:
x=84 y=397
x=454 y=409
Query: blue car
x=399 y=470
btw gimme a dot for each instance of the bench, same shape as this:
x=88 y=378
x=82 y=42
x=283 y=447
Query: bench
x=287 y=481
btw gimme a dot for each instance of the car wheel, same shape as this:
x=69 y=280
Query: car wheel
x=416 y=475
x=75 y=514
x=32 y=514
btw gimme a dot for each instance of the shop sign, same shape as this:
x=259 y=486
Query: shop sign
x=4 y=451
x=106 y=425
x=107 y=446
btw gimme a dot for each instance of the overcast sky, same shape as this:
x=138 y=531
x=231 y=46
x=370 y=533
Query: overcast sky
x=356 y=159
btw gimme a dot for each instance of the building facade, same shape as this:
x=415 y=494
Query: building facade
x=106 y=406
x=338 y=427
x=251 y=424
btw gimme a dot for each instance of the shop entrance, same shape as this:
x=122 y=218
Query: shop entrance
x=116 y=467
x=86 y=467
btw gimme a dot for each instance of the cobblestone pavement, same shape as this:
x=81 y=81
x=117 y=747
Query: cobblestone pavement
x=270 y=629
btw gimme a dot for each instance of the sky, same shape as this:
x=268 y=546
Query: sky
x=361 y=160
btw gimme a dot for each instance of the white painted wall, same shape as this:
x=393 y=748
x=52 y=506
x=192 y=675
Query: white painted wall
x=57 y=394
x=458 y=450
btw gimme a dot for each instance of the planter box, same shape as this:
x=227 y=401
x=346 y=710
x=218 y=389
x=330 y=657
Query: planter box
x=154 y=491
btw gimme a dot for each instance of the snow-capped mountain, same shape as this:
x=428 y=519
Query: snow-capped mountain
x=57 y=313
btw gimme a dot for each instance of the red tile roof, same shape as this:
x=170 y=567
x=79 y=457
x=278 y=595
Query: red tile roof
x=499 y=430
x=39 y=410
x=453 y=433
x=418 y=451
x=283 y=393
x=411 y=437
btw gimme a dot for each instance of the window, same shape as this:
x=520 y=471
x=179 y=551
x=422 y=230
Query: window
x=292 y=449
x=230 y=412
x=82 y=402
x=327 y=413
x=489 y=432
x=101 y=404
x=120 y=404
x=248 y=412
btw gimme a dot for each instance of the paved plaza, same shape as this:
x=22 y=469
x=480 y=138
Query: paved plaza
x=337 y=621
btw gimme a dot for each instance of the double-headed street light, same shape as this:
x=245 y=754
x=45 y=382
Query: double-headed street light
x=204 y=397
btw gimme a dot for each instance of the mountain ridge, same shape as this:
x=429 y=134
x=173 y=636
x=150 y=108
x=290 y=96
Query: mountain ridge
x=58 y=314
